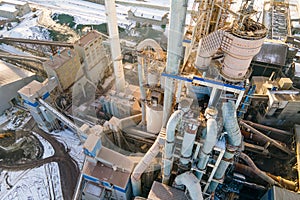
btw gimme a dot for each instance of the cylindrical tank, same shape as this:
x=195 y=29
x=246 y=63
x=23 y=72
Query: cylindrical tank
x=154 y=114
x=238 y=55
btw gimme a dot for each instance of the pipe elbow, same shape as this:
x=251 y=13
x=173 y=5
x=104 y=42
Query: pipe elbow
x=190 y=181
x=172 y=123
x=231 y=124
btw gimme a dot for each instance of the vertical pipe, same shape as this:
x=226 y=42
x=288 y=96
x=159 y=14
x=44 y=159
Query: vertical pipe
x=210 y=141
x=175 y=52
x=111 y=17
x=169 y=144
x=188 y=142
x=142 y=89
x=234 y=140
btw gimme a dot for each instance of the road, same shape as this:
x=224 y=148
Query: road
x=68 y=168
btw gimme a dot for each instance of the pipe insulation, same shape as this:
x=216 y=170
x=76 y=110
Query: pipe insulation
x=188 y=142
x=169 y=144
x=115 y=48
x=209 y=142
x=175 y=52
x=142 y=166
x=234 y=139
x=190 y=181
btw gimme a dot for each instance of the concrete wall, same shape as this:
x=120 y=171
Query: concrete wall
x=10 y=91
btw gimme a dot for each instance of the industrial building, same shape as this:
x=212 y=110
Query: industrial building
x=216 y=116
x=13 y=9
x=12 y=78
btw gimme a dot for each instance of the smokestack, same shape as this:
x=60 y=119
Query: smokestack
x=111 y=17
x=175 y=52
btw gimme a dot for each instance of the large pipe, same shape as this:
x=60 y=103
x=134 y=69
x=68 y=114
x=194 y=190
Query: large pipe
x=188 y=142
x=169 y=144
x=142 y=166
x=268 y=128
x=234 y=139
x=190 y=181
x=257 y=171
x=210 y=140
x=111 y=17
x=175 y=52
x=272 y=141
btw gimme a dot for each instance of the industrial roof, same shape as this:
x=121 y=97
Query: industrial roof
x=31 y=89
x=89 y=37
x=8 y=7
x=10 y=73
x=105 y=173
x=60 y=58
x=161 y=191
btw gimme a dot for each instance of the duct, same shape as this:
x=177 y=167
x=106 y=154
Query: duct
x=142 y=166
x=190 y=181
x=267 y=128
x=210 y=140
x=234 y=138
x=111 y=18
x=188 y=142
x=291 y=185
x=208 y=46
x=141 y=46
x=175 y=52
x=257 y=171
x=169 y=144
x=272 y=141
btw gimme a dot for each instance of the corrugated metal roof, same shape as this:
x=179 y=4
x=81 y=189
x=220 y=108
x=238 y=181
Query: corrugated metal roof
x=161 y=191
x=10 y=73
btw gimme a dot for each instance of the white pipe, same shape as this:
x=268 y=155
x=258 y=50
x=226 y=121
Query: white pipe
x=209 y=143
x=190 y=181
x=142 y=166
x=188 y=142
x=234 y=139
x=169 y=144
x=111 y=17
x=175 y=52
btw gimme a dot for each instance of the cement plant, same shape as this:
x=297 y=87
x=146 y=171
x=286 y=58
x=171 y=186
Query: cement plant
x=149 y=100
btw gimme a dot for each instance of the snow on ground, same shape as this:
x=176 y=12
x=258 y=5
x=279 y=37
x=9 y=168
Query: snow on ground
x=72 y=143
x=35 y=184
x=48 y=149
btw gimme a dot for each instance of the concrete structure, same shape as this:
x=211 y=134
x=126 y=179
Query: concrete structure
x=64 y=66
x=12 y=79
x=94 y=59
x=12 y=9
